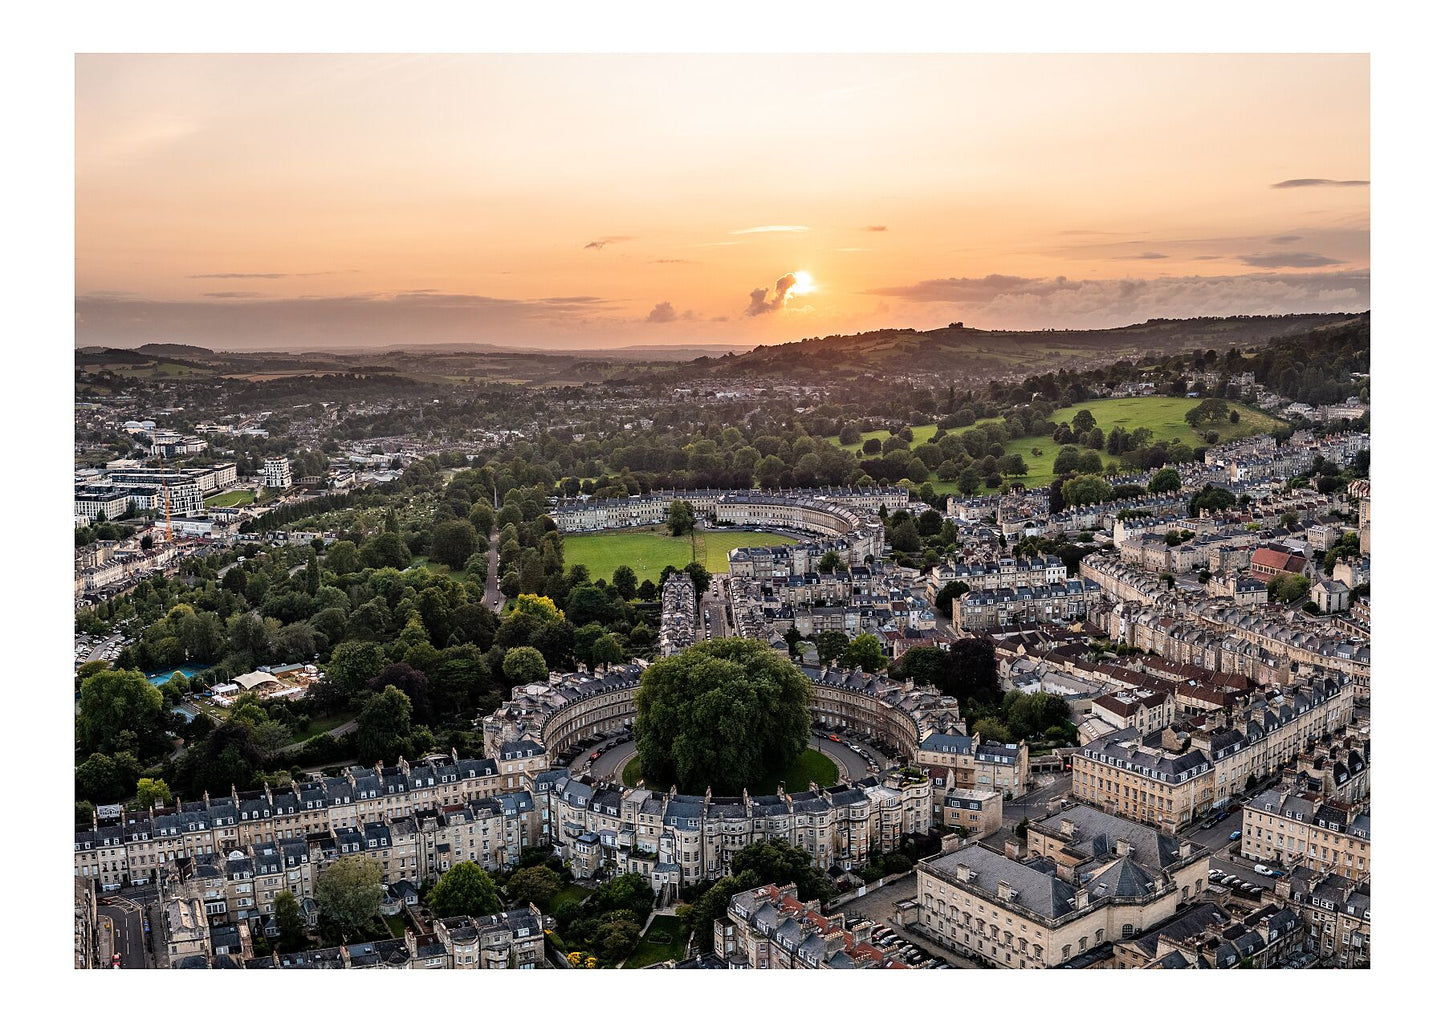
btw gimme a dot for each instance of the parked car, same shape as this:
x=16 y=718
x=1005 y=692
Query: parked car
x=1234 y=835
x=1207 y=825
x=1264 y=870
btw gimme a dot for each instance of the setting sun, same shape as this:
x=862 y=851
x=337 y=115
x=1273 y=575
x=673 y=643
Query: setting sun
x=803 y=283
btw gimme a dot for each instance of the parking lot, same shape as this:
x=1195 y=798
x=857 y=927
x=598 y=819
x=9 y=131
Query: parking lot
x=878 y=906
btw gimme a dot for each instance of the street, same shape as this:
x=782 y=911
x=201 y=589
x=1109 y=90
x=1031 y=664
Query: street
x=124 y=922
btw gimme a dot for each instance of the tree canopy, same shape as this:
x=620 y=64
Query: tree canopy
x=465 y=890
x=727 y=712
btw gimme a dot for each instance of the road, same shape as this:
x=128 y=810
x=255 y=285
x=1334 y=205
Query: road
x=493 y=597
x=610 y=763
x=123 y=918
x=713 y=611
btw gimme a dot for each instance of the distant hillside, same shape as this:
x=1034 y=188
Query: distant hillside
x=959 y=349
x=178 y=350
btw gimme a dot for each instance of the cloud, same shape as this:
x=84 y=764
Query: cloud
x=675 y=262
x=358 y=320
x=1032 y=303
x=1285 y=239
x=662 y=312
x=1318 y=182
x=1144 y=255
x=876 y=227
x=261 y=276
x=231 y=294
x=1290 y=260
x=759 y=301
x=610 y=239
x=770 y=229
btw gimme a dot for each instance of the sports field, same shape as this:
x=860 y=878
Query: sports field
x=648 y=551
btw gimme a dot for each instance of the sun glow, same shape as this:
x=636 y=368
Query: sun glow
x=802 y=283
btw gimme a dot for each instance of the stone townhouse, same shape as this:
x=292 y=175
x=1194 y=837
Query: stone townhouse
x=975 y=763
x=1289 y=829
x=680 y=840
x=994 y=609
x=1077 y=839
x=1186 y=774
x=1335 y=912
x=1206 y=936
x=972 y=811
x=1144 y=710
x=145 y=843
x=1024 y=915
x=508 y=940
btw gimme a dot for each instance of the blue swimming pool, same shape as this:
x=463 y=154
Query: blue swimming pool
x=189 y=670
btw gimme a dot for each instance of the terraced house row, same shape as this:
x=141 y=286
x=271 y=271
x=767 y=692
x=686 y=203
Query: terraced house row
x=676 y=841
x=1178 y=775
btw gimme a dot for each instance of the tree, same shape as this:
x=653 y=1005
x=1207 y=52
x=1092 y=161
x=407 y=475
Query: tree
x=289 y=922
x=1288 y=587
x=386 y=551
x=724 y=712
x=624 y=580
x=271 y=737
x=904 y=536
x=608 y=651
x=680 y=517
x=464 y=890
x=865 y=652
x=524 y=665
x=587 y=604
x=780 y=862
x=1090 y=489
x=947 y=593
x=1166 y=480
x=348 y=894
x=970 y=672
x=1083 y=421
x=115 y=701
x=1211 y=498
x=353 y=664
x=384 y=726
x=453 y=541
x=341 y=558
x=991 y=729
x=831 y=645
x=830 y=561
x=151 y=791
x=535 y=885
x=1013 y=465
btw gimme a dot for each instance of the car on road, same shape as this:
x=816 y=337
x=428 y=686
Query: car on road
x=1235 y=835
x=1207 y=824
x=115 y=960
x=594 y=757
x=856 y=748
x=834 y=738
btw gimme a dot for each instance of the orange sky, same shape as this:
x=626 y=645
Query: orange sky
x=300 y=201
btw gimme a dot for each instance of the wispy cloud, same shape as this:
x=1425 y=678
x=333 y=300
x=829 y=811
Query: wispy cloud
x=1318 y=182
x=260 y=276
x=674 y=262
x=876 y=227
x=1144 y=255
x=1023 y=303
x=1286 y=239
x=770 y=229
x=610 y=239
x=1289 y=260
x=231 y=294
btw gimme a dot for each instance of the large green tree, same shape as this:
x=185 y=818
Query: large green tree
x=865 y=652
x=535 y=884
x=348 y=894
x=831 y=645
x=384 y=727
x=290 y=922
x=725 y=712
x=464 y=890
x=112 y=702
x=453 y=541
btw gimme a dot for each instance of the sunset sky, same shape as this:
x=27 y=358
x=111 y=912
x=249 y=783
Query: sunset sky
x=290 y=202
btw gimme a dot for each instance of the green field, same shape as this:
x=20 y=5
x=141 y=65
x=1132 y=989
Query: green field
x=232 y=498
x=648 y=551
x=812 y=765
x=664 y=941
x=439 y=568
x=1164 y=415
